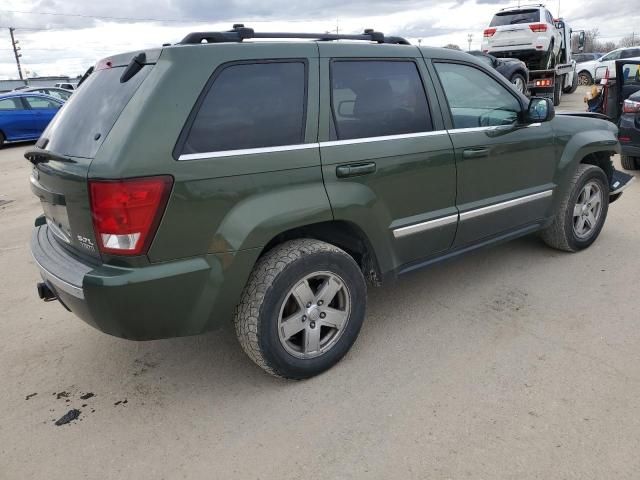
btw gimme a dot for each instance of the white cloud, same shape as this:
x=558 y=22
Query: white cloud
x=71 y=44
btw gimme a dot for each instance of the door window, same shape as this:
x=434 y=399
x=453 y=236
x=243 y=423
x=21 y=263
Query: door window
x=40 y=103
x=630 y=53
x=251 y=106
x=373 y=98
x=475 y=98
x=611 y=56
x=10 y=104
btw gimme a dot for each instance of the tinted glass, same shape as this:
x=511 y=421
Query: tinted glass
x=87 y=118
x=475 y=98
x=10 y=104
x=378 y=98
x=630 y=53
x=513 y=18
x=40 y=102
x=251 y=106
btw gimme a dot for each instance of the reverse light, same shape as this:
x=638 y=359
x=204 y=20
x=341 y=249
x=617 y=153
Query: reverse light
x=631 y=106
x=126 y=213
x=489 y=32
x=547 y=82
x=538 y=27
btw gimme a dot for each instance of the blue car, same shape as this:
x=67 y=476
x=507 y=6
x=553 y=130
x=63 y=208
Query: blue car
x=24 y=116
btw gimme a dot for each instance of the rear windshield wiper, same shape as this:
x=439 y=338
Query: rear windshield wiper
x=38 y=155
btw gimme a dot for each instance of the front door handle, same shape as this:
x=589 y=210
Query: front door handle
x=355 y=170
x=475 y=153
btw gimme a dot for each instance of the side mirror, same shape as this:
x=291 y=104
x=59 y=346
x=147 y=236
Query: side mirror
x=540 y=110
x=581 y=41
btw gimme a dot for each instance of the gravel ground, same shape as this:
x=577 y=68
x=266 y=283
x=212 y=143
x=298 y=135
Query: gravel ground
x=517 y=362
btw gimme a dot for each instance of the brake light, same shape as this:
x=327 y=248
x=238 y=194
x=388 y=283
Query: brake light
x=489 y=32
x=538 y=27
x=103 y=64
x=630 y=106
x=547 y=82
x=126 y=213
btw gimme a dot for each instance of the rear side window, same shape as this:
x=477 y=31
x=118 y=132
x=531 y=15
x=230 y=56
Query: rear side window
x=10 y=104
x=378 y=98
x=514 y=18
x=253 y=105
x=37 y=103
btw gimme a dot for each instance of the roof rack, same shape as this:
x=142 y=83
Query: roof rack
x=239 y=33
x=523 y=6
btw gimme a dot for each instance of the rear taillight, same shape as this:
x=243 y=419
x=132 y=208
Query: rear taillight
x=546 y=82
x=489 y=32
x=630 y=106
x=126 y=213
x=538 y=27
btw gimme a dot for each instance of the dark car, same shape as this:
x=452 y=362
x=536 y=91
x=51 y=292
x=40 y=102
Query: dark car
x=628 y=79
x=25 y=115
x=266 y=182
x=586 y=57
x=512 y=69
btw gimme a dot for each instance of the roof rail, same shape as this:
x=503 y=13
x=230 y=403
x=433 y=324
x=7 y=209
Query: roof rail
x=523 y=6
x=239 y=33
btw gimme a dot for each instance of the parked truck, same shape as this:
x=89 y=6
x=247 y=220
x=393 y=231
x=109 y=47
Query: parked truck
x=531 y=34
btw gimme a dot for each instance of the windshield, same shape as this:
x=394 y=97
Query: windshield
x=515 y=17
x=84 y=122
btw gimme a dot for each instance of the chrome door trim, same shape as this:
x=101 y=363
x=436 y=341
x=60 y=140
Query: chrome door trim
x=478 y=212
x=424 y=226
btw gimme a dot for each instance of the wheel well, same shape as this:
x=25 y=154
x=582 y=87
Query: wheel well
x=584 y=71
x=345 y=235
x=602 y=160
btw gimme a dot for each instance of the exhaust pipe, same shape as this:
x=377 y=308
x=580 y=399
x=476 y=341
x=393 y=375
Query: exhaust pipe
x=45 y=293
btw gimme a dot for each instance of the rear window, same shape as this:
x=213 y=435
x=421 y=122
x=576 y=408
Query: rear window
x=514 y=18
x=81 y=126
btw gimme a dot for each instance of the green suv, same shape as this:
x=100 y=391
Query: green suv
x=267 y=182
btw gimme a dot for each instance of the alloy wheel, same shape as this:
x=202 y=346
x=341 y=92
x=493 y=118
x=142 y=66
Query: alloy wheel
x=587 y=211
x=314 y=315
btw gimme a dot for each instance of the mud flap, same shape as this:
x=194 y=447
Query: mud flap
x=619 y=182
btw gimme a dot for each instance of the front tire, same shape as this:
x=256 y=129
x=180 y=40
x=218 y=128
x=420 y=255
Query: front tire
x=574 y=84
x=302 y=309
x=629 y=162
x=584 y=78
x=2 y=139
x=582 y=212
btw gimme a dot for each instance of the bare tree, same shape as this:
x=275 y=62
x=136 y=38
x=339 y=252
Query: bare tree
x=632 y=40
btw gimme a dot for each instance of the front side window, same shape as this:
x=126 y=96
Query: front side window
x=475 y=98
x=10 y=104
x=378 y=98
x=39 y=103
x=251 y=106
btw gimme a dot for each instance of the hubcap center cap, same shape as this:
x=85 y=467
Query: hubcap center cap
x=313 y=313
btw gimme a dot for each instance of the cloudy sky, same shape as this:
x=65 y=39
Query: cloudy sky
x=67 y=36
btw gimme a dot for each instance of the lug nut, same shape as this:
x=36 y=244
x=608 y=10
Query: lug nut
x=323 y=315
x=309 y=305
x=304 y=318
x=320 y=302
x=312 y=324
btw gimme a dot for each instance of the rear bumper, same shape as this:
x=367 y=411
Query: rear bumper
x=515 y=52
x=172 y=299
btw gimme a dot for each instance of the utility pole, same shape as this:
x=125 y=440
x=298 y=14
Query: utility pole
x=14 y=44
x=469 y=39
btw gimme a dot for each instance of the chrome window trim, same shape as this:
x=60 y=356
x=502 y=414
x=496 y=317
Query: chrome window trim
x=424 y=226
x=477 y=212
x=384 y=138
x=246 y=151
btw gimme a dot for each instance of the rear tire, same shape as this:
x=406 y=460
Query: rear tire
x=588 y=197
x=585 y=78
x=629 y=162
x=302 y=309
x=2 y=139
x=557 y=91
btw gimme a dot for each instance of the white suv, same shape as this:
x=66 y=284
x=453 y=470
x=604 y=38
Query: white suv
x=587 y=70
x=527 y=32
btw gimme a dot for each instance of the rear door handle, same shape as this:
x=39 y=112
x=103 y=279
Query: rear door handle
x=356 y=170
x=475 y=153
